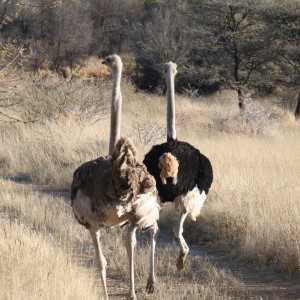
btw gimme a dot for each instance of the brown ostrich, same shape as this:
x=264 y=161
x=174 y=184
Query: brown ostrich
x=116 y=190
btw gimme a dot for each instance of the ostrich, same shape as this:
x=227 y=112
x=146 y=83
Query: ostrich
x=183 y=175
x=116 y=190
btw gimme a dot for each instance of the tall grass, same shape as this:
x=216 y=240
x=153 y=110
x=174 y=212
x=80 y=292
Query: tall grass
x=46 y=254
x=252 y=208
x=38 y=239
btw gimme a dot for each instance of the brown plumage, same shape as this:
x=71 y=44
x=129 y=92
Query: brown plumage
x=116 y=190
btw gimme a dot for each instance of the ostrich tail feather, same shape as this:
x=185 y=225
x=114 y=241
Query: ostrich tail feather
x=123 y=161
x=146 y=210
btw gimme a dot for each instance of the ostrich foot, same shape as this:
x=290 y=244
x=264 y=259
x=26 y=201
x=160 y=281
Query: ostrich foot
x=150 y=287
x=132 y=295
x=181 y=260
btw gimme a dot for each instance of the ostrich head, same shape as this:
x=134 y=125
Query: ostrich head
x=168 y=164
x=112 y=61
x=170 y=68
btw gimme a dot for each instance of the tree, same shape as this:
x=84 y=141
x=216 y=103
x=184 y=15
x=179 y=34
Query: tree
x=10 y=54
x=112 y=21
x=158 y=39
x=284 y=21
x=64 y=32
x=297 y=110
x=234 y=35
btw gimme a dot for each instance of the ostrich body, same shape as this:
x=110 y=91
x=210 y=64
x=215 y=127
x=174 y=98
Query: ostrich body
x=185 y=177
x=116 y=190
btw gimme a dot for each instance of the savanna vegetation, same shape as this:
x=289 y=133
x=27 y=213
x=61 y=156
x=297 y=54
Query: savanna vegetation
x=250 y=46
x=237 y=95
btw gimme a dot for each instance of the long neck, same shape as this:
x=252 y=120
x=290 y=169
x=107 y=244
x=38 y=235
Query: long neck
x=171 y=130
x=116 y=109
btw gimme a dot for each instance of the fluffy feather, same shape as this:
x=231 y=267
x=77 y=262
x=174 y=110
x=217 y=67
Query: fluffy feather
x=115 y=190
x=194 y=169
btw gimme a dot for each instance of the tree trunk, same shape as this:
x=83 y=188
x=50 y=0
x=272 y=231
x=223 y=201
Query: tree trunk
x=241 y=101
x=242 y=107
x=297 y=110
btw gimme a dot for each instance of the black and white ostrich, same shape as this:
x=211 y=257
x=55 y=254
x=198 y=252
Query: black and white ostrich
x=183 y=175
x=116 y=190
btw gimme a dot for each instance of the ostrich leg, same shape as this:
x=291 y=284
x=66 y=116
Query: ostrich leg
x=184 y=249
x=151 y=277
x=130 y=243
x=100 y=259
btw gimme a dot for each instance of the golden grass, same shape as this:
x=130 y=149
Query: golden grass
x=253 y=206
x=93 y=67
x=33 y=268
x=252 y=209
x=47 y=154
x=38 y=239
x=42 y=243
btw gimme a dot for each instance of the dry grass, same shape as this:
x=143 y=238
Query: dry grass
x=46 y=154
x=38 y=239
x=34 y=268
x=252 y=209
x=93 y=67
x=42 y=243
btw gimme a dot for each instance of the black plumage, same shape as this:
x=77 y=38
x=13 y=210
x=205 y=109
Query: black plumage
x=183 y=175
x=194 y=169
